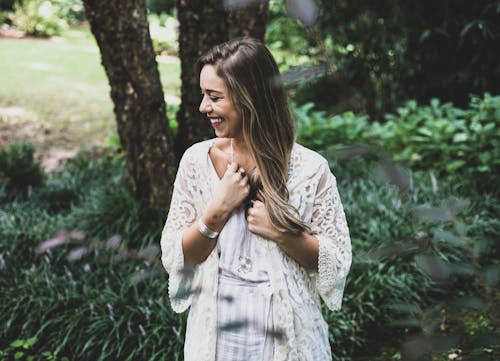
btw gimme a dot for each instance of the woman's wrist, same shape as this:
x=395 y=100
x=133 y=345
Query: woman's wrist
x=206 y=231
x=215 y=217
x=285 y=238
x=280 y=237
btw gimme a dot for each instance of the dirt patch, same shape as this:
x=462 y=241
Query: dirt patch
x=54 y=158
x=7 y=31
x=10 y=32
x=20 y=124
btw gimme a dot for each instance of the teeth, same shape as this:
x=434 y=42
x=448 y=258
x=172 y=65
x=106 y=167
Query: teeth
x=215 y=120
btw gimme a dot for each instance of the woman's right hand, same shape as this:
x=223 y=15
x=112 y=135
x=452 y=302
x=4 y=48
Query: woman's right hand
x=231 y=191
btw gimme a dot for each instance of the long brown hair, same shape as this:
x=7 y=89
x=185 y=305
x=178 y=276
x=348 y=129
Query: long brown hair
x=253 y=81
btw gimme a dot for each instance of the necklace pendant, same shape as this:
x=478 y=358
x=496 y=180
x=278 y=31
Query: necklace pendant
x=245 y=264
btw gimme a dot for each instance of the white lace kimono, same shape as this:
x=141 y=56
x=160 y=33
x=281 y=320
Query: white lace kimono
x=295 y=291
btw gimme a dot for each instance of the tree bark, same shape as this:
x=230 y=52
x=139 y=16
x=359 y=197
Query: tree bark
x=122 y=33
x=203 y=24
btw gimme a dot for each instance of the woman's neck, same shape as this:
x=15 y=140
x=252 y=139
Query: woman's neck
x=241 y=153
x=238 y=146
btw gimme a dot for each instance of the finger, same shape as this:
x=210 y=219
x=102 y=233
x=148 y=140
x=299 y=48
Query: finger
x=257 y=204
x=250 y=213
x=246 y=191
x=231 y=168
x=250 y=220
x=244 y=182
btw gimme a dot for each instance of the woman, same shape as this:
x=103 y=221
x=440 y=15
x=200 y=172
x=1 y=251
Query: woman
x=260 y=219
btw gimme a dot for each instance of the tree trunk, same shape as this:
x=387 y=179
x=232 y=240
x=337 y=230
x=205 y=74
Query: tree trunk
x=203 y=24
x=122 y=33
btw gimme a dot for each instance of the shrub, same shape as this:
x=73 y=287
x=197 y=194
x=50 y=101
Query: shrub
x=439 y=137
x=71 y=11
x=5 y=17
x=18 y=167
x=319 y=131
x=446 y=139
x=38 y=18
x=160 y=6
x=163 y=30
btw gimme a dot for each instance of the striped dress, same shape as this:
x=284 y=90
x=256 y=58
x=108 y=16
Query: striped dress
x=244 y=313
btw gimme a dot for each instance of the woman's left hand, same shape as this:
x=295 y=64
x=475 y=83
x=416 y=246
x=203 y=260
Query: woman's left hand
x=303 y=248
x=259 y=222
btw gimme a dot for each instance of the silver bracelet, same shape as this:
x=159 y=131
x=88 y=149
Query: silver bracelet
x=204 y=230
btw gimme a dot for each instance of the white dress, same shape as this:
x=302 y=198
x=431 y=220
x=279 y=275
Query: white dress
x=295 y=292
x=244 y=294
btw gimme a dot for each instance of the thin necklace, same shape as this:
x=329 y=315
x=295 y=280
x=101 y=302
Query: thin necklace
x=245 y=262
x=233 y=154
x=232 y=150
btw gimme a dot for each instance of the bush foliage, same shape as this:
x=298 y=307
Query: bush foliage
x=379 y=53
x=18 y=167
x=38 y=18
x=438 y=137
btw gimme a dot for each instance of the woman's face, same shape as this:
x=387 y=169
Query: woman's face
x=217 y=105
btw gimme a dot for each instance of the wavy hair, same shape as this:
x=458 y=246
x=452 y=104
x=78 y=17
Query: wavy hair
x=254 y=84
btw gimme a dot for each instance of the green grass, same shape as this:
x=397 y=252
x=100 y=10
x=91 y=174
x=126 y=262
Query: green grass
x=59 y=90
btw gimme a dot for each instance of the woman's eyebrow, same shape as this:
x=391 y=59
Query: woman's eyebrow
x=210 y=91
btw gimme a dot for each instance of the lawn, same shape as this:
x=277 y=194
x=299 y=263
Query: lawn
x=54 y=92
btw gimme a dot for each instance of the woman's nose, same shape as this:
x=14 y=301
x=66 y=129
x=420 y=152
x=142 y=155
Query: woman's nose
x=204 y=106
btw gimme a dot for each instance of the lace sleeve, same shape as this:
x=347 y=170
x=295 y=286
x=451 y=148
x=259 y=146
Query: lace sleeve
x=181 y=215
x=330 y=228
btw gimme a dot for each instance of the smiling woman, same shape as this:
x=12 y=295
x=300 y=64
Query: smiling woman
x=260 y=219
x=218 y=105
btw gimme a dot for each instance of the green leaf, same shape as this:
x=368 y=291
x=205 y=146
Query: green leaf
x=433 y=266
x=467 y=27
x=17 y=343
x=488 y=127
x=460 y=137
x=405 y=308
x=462 y=269
x=447 y=237
x=425 y=131
x=425 y=34
x=431 y=214
x=461 y=228
x=18 y=355
x=492 y=275
x=484 y=157
x=454 y=165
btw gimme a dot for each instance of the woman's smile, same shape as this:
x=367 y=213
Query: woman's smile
x=215 y=121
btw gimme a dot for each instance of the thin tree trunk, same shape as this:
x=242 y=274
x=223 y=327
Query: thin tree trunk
x=122 y=33
x=203 y=24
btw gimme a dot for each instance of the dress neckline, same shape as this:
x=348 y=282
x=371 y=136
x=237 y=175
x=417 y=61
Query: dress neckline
x=211 y=164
